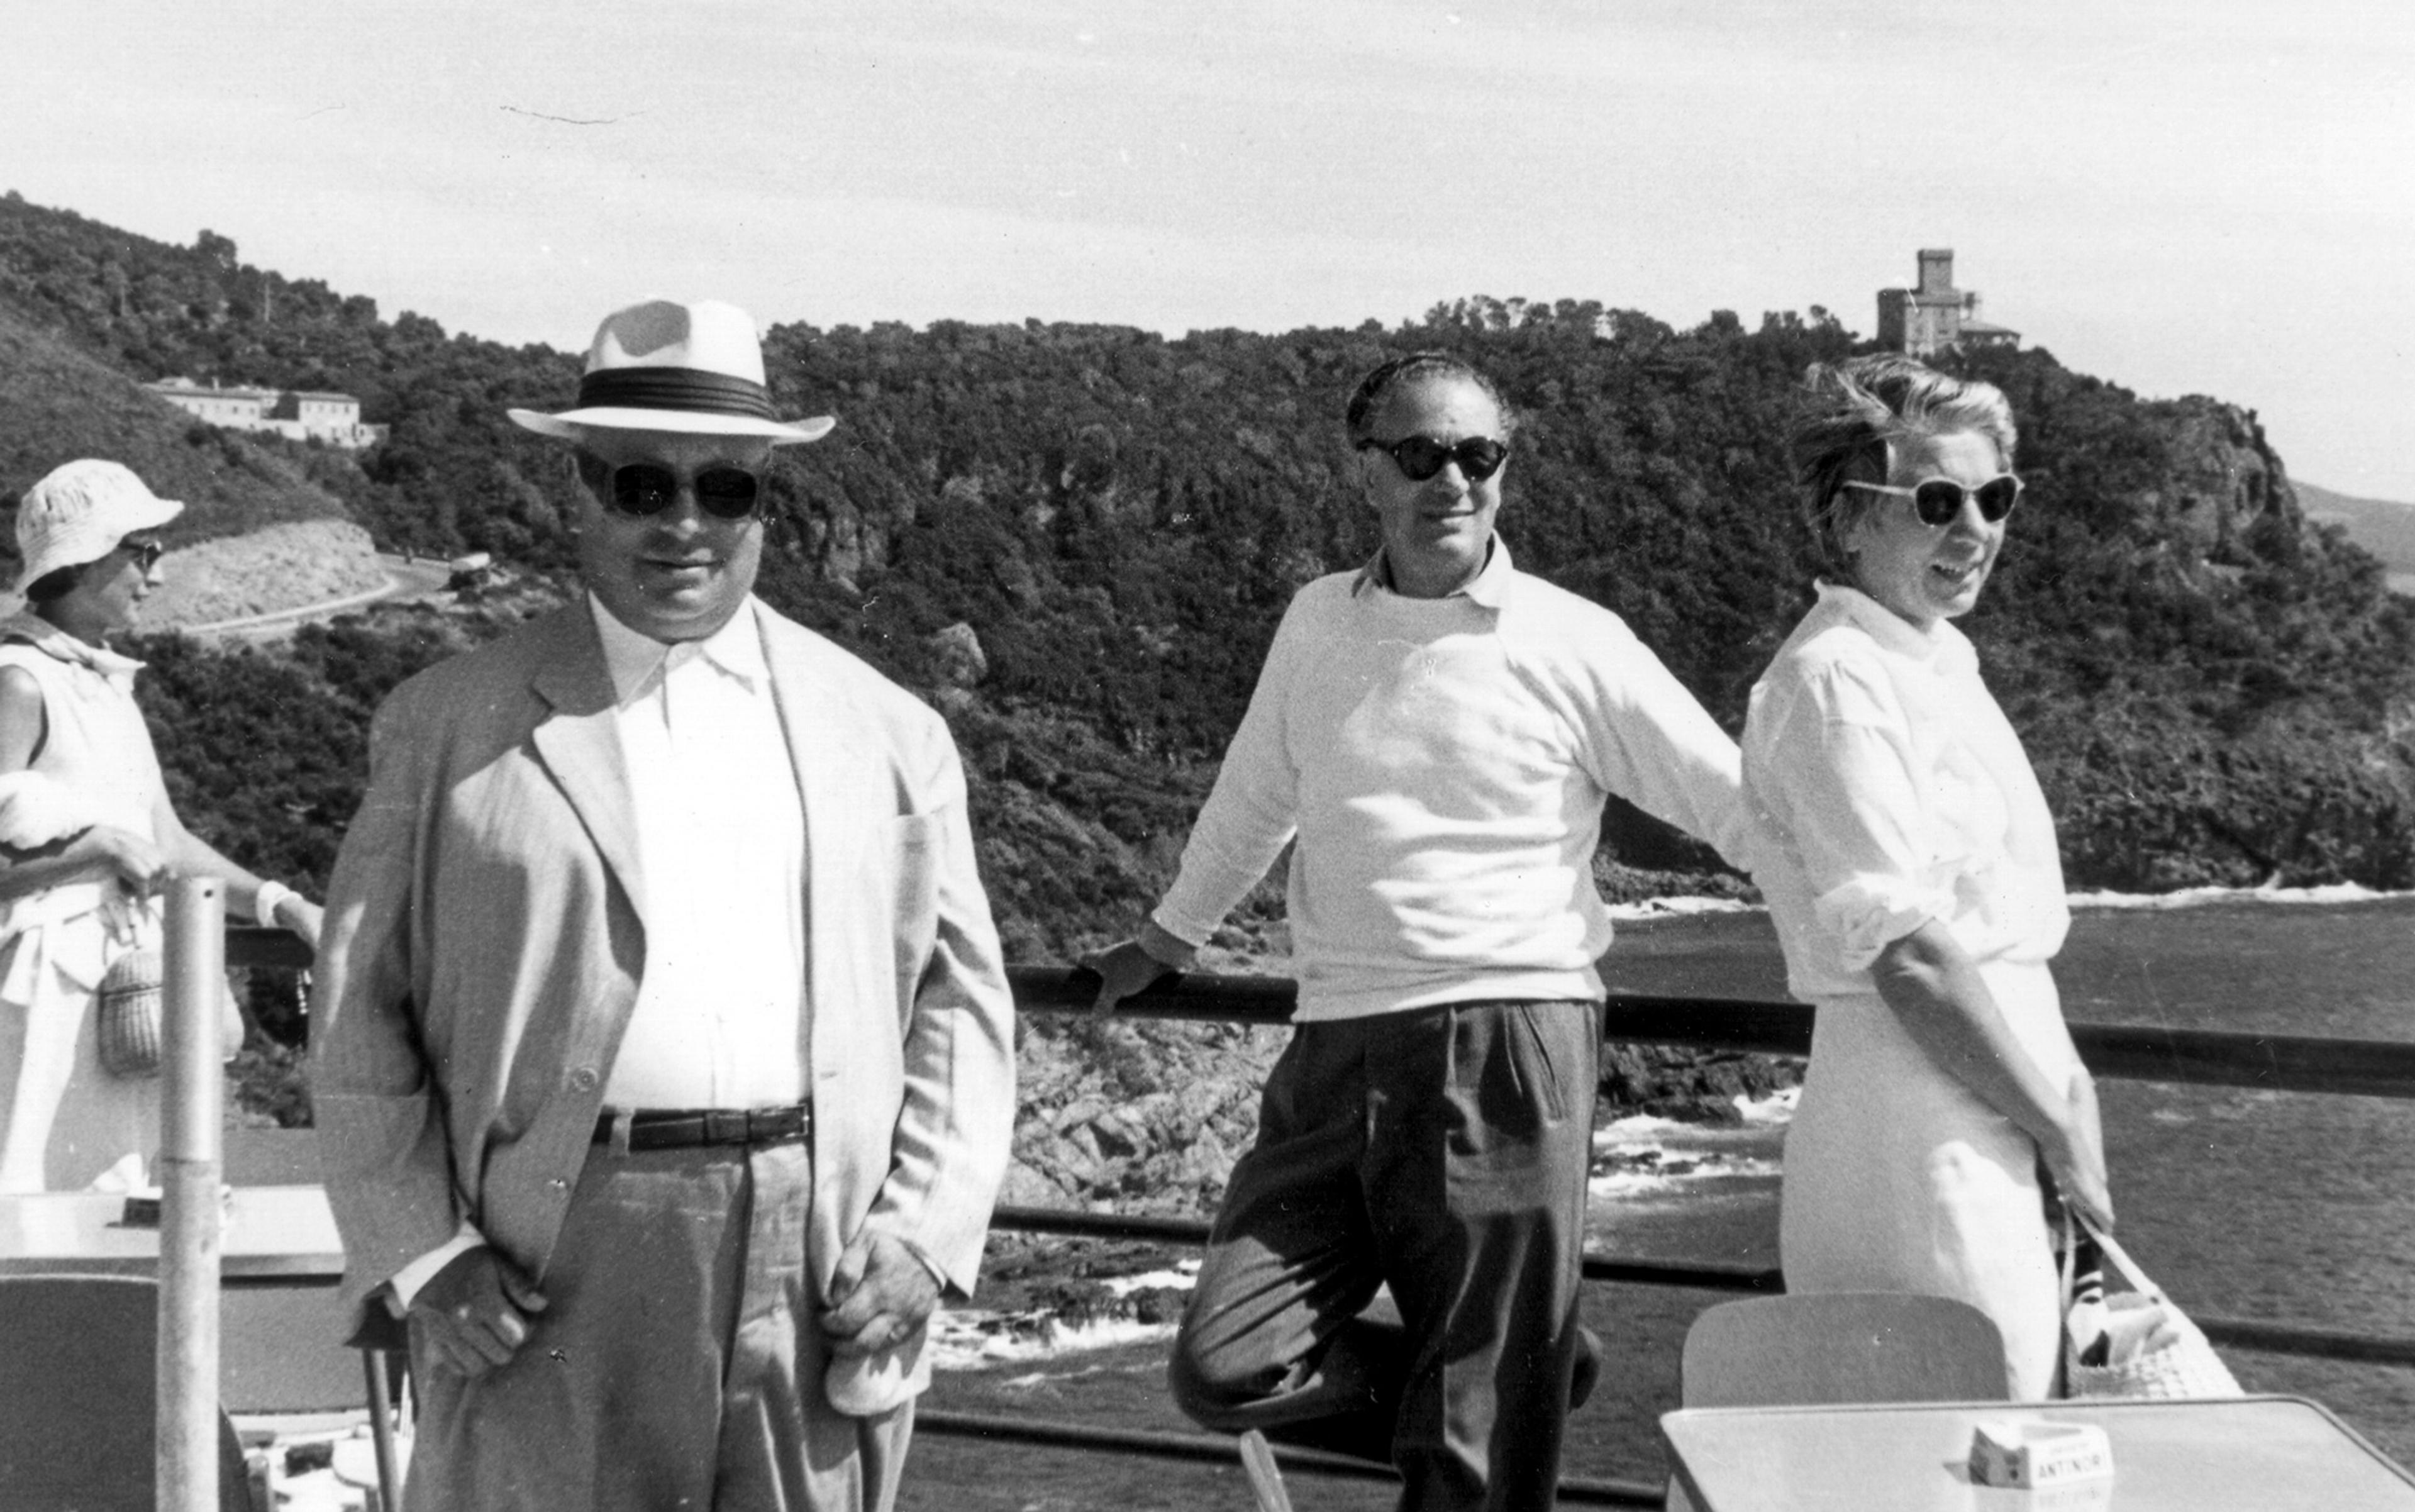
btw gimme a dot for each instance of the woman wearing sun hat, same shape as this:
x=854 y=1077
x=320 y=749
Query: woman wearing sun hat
x=1910 y=864
x=86 y=832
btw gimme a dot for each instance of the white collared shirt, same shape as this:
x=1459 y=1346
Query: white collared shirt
x=1891 y=790
x=721 y=860
x=720 y=1016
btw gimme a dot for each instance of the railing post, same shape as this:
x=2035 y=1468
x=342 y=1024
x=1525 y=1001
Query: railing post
x=190 y=1214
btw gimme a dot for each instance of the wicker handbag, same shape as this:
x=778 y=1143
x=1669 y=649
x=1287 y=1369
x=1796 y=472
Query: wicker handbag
x=2135 y=1343
x=133 y=1040
x=130 y=1026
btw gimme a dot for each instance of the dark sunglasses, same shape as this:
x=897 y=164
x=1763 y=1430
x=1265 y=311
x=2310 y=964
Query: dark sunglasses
x=1419 y=457
x=1939 y=500
x=724 y=492
x=144 y=554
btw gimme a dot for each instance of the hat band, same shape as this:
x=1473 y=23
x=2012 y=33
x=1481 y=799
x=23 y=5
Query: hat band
x=674 y=388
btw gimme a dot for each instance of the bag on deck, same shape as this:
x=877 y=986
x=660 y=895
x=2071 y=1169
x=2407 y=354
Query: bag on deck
x=2131 y=1344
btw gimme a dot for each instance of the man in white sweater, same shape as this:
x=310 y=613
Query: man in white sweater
x=1435 y=735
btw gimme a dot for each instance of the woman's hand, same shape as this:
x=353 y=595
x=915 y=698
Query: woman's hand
x=2079 y=1166
x=302 y=917
x=1944 y=1004
x=135 y=862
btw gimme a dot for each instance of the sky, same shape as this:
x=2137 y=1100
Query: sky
x=2179 y=196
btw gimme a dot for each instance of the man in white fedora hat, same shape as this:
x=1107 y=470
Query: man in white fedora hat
x=664 y=1062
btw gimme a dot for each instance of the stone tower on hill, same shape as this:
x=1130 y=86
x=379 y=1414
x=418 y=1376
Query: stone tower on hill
x=1936 y=316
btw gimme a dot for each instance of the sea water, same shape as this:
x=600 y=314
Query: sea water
x=2289 y=1207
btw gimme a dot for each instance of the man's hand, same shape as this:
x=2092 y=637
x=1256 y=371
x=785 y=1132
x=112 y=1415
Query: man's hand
x=476 y=1311
x=1125 y=970
x=880 y=1296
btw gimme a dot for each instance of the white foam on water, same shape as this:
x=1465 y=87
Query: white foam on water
x=2321 y=896
x=2334 y=892
x=1036 y=1378
x=1681 y=907
x=1645 y=1156
x=973 y=1339
x=1774 y=1111
x=1645 y=1181
x=1644 y=1129
x=1184 y=1274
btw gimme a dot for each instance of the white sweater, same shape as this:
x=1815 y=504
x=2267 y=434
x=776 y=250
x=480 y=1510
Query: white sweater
x=1443 y=763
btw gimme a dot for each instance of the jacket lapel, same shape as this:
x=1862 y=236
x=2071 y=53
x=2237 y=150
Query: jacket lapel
x=580 y=744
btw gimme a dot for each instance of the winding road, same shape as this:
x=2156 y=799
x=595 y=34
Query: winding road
x=405 y=578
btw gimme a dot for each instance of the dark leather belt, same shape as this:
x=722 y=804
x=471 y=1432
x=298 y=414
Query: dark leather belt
x=683 y=1129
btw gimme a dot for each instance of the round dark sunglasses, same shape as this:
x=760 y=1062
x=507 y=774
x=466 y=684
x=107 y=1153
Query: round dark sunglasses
x=1939 y=500
x=1419 y=457
x=724 y=492
x=146 y=554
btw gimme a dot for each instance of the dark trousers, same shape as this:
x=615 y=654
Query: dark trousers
x=1440 y=1151
x=677 y=1367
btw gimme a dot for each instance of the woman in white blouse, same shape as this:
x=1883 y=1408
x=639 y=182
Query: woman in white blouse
x=86 y=832
x=1910 y=868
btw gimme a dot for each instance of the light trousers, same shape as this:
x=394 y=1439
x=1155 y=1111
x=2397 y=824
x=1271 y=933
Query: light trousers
x=677 y=1367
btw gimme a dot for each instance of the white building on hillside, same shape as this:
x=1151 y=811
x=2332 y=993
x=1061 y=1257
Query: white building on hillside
x=295 y=413
x=1936 y=316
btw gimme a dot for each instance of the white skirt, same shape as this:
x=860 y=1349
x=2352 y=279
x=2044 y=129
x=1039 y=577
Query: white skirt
x=1898 y=1178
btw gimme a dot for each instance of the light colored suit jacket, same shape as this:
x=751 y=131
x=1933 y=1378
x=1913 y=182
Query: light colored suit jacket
x=486 y=932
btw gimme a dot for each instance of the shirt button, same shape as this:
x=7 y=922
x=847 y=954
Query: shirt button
x=583 y=1079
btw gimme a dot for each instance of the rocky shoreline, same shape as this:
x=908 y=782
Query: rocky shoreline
x=1147 y=1117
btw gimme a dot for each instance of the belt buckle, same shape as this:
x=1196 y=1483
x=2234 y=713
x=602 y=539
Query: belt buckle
x=726 y=1126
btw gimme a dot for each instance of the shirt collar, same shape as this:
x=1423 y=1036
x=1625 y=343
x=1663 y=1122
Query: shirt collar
x=636 y=659
x=44 y=637
x=1488 y=589
x=1939 y=645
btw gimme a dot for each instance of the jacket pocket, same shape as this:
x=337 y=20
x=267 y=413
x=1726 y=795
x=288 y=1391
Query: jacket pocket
x=910 y=854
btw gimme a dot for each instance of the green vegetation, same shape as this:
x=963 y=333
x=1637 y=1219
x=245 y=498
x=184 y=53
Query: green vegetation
x=59 y=403
x=2211 y=690
x=2383 y=527
x=151 y=310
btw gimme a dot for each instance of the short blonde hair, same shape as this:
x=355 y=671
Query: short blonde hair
x=1859 y=408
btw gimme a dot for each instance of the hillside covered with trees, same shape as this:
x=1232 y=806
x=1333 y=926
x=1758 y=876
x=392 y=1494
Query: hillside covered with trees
x=1076 y=541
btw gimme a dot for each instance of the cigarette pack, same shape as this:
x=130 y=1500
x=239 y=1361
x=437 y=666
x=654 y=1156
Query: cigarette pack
x=2007 y=1452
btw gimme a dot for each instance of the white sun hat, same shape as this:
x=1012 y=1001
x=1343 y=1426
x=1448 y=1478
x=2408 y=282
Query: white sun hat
x=696 y=369
x=79 y=511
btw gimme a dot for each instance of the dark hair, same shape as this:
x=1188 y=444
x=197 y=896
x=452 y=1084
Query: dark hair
x=1859 y=408
x=55 y=584
x=1372 y=390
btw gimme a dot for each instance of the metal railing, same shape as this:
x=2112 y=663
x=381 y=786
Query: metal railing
x=2283 y=1063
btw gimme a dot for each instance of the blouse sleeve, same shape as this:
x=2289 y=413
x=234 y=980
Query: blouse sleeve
x=1861 y=816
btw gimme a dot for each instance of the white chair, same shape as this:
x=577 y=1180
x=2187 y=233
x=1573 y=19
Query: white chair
x=1839 y=1347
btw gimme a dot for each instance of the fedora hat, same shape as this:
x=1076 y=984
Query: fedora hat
x=696 y=369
